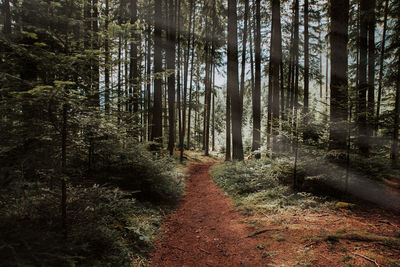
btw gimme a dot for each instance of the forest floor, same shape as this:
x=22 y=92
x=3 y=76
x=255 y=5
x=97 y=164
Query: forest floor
x=208 y=230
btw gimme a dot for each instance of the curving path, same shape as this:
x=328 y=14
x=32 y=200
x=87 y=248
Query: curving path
x=206 y=229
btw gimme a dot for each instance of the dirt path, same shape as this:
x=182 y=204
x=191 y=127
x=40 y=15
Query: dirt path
x=206 y=230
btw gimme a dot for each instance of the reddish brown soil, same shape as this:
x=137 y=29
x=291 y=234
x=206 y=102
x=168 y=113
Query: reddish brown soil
x=206 y=230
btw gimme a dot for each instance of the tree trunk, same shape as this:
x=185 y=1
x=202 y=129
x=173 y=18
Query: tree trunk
x=185 y=83
x=371 y=68
x=157 y=107
x=339 y=14
x=170 y=58
x=296 y=66
x=381 y=60
x=276 y=55
x=7 y=18
x=306 y=62
x=244 y=46
x=363 y=85
x=133 y=68
x=148 y=79
x=191 y=76
x=96 y=47
x=395 y=141
x=233 y=80
x=213 y=109
x=106 y=61
x=256 y=94
x=119 y=95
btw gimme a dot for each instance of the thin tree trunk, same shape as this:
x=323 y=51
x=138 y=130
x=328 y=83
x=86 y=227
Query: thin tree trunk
x=157 y=107
x=371 y=68
x=381 y=60
x=363 y=85
x=213 y=109
x=306 y=61
x=7 y=18
x=395 y=141
x=256 y=94
x=106 y=61
x=119 y=96
x=64 y=165
x=296 y=64
x=326 y=84
x=148 y=80
x=191 y=77
x=170 y=57
x=96 y=47
x=320 y=62
x=134 y=73
x=244 y=47
x=185 y=83
x=276 y=55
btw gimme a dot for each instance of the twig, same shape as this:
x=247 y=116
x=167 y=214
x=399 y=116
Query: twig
x=261 y=232
x=181 y=249
x=205 y=251
x=368 y=259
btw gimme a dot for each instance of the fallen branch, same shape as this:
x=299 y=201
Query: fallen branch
x=368 y=259
x=181 y=249
x=261 y=232
x=205 y=251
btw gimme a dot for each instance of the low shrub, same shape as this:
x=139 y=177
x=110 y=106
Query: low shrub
x=262 y=185
x=105 y=227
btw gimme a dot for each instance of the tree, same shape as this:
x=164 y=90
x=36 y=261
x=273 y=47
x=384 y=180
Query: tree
x=156 y=134
x=256 y=94
x=133 y=68
x=107 y=61
x=381 y=60
x=233 y=81
x=7 y=18
x=276 y=56
x=170 y=58
x=185 y=82
x=306 y=60
x=371 y=68
x=362 y=83
x=339 y=15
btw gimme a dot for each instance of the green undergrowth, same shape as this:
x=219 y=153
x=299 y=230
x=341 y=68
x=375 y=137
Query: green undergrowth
x=110 y=222
x=262 y=185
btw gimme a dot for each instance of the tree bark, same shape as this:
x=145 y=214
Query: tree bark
x=233 y=80
x=96 y=47
x=7 y=18
x=363 y=85
x=395 y=141
x=276 y=55
x=133 y=68
x=339 y=14
x=106 y=61
x=185 y=82
x=244 y=47
x=157 y=107
x=306 y=62
x=191 y=77
x=371 y=68
x=170 y=58
x=381 y=60
x=256 y=94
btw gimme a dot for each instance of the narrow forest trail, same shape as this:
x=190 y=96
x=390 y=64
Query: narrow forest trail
x=206 y=229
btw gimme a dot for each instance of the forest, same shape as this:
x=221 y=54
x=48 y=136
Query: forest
x=199 y=133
